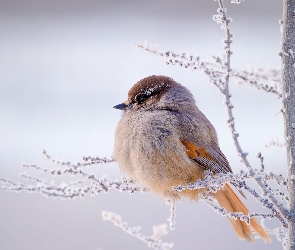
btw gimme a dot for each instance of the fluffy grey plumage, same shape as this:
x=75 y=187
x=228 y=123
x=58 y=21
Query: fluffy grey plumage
x=161 y=114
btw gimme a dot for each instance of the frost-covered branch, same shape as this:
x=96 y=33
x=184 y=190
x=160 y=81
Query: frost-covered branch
x=93 y=185
x=238 y=215
x=87 y=161
x=281 y=234
x=213 y=183
x=210 y=69
x=187 y=61
x=224 y=21
x=254 y=76
x=152 y=241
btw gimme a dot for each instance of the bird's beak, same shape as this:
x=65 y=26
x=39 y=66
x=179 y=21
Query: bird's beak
x=122 y=106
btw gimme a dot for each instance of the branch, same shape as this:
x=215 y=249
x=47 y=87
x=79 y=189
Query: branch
x=281 y=234
x=239 y=215
x=187 y=61
x=87 y=161
x=72 y=189
x=224 y=20
x=214 y=183
x=152 y=241
x=253 y=82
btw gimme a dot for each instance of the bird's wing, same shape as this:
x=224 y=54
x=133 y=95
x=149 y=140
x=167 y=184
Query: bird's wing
x=209 y=157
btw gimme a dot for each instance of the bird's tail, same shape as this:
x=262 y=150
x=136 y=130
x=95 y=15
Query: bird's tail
x=231 y=202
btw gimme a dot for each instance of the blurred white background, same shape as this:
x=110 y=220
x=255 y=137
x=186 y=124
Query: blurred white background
x=65 y=63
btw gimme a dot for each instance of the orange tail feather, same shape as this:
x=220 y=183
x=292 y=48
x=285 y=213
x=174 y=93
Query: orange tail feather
x=231 y=202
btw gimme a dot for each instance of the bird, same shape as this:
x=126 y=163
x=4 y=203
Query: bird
x=163 y=140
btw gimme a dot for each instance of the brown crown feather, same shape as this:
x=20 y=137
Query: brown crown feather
x=150 y=86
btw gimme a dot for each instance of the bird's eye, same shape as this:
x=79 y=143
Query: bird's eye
x=141 y=98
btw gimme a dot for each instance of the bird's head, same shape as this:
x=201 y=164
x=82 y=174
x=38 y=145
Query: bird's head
x=156 y=92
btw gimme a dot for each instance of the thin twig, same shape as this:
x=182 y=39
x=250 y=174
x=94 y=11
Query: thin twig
x=152 y=241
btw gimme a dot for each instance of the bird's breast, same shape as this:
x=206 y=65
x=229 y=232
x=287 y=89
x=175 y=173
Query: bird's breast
x=148 y=149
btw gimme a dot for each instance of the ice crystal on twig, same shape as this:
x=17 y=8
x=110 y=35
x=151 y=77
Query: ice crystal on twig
x=281 y=234
x=152 y=241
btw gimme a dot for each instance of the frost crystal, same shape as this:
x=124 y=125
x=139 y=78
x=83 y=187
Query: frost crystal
x=152 y=241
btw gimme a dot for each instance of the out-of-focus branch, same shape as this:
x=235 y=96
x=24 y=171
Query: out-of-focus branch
x=275 y=143
x=171 y=219
x=152 y=241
